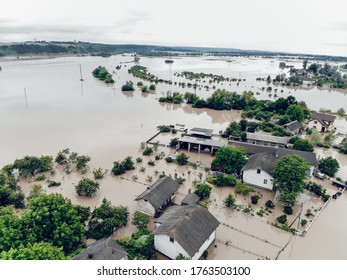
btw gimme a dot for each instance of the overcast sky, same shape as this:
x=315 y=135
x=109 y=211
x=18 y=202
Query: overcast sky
x=305 y=26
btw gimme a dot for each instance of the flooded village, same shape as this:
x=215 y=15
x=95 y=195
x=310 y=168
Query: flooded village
x=160 y=151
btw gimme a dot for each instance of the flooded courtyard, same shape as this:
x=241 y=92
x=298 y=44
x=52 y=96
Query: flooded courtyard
x=106 y=124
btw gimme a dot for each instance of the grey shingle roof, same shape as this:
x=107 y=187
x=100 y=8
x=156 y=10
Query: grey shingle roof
x=159 y=192
x=190 y=199
x=263 y=161
x=267 y=138
x=323 y=118
x=103 y=249
x=188 y=225
x=252 y=149
x=310 y=157
x=292 y=125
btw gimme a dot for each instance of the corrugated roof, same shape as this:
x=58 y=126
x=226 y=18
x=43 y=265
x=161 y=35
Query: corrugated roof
x=202 y=131
x=189 y=225
x=201 y=141
x=263 y=161
x=190 y=199
x=103 y=249
x=159 y=192
x=252 y=149
x=310 y=157
x=267 y=138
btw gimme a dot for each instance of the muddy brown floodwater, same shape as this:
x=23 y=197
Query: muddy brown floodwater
x=101 y=121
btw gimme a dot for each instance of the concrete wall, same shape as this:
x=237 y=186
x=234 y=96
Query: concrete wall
x=253 y=178
x=145 y=207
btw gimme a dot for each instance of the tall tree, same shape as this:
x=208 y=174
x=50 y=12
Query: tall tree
x=289 y=175
x=329 y=166
x=229 y=159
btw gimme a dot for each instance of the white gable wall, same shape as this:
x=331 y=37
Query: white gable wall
x=170 y=249
x=145 y=207
x=253 y=178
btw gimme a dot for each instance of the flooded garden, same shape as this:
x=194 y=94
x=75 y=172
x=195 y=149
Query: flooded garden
x=57 y=111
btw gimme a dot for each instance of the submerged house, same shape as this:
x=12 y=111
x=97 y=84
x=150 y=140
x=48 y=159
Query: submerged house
x=103 y=249
x=199 y=144
x=188 y=230
x=258 y=170
x=322 y=122
x=201 y=132
x=157 y=197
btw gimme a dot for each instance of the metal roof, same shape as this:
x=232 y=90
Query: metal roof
x=267 y=138
x=159 y=192
x=252 y=149
x=202 y=131
x=292 y=125
x=188 y=225
x=201 y=141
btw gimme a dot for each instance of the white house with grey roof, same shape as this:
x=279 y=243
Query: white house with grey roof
x=156 y=197
x=188 y=230
x=267 y=140
x=258 y=170
x=322 y=122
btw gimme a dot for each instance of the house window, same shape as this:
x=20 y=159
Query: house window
x=145 y=200
x=258 y=171
x=315 y=122
x=172 y=240
x=265 y=181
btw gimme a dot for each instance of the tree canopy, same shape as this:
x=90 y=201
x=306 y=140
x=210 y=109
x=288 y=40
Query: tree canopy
x=229 y=159
x=289 y=175
x=87 y=187
x=329 y=166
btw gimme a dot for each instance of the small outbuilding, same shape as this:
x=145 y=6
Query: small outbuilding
x=190 y=199
x=103 y=249
x=157 y=197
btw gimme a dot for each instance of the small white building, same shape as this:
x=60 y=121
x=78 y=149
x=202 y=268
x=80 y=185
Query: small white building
x=187 y=230
x=322 y=122
x=156 y=197
x=258 y=170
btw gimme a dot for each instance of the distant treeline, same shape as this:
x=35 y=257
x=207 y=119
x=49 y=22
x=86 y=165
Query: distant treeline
x=86 y=48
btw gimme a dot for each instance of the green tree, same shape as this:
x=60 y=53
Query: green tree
x=54 y=219
x=118 y=168
x=128 y=163
x=36 y=251
x=11 y=234
x=303 y=145
x=182 y=159
x=140 y=220
x=229 y=159
x=329 y=166
x=87 y=187
x=203 y=191
x=81 y=162
x=230 y=201
x=36 y=190
x=173 y=142
x=289 y=175
x=99 y=173
x=106 y=219
x=152 y=87
x=234 y=129
x=304 y=64
x=297 y=112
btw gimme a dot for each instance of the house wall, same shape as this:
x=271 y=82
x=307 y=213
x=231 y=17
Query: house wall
x=311 y=124
x=145 y=207
x=163 y=244
x=253 y=178
x=310 y=171
x=204 y=246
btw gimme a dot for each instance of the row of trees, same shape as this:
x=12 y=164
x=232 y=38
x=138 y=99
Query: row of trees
x=103 y=75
